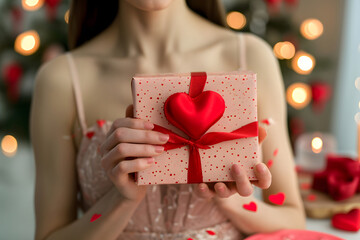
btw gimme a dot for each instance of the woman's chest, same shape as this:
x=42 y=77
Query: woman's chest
x=107 y=90
x=106 y=83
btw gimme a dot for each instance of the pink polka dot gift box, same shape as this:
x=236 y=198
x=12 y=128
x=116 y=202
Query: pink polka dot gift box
x=211 y=119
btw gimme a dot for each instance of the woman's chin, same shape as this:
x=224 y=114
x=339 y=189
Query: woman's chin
x=150 y=5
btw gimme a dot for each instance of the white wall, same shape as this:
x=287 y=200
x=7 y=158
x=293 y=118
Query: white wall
x=347 y=97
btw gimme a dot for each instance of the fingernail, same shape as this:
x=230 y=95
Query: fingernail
x=159 y=149
x=148 y=125
x=261 y=168
x=164 y=137
x=150 y=160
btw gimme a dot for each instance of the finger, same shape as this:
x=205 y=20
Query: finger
x=129 y=135
x=124 y=150
x=232 y=187
x=263 y=176
x=262 y=134
x=222 y=190
x=131 y=166
x=130 y=111
x=203 y=191
x=117 y=178
x=130 y=123
x=243 y=184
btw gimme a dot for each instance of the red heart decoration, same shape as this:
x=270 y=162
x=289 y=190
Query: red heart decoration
x=90 y=134
x=276 y=151
x=278 y=198
x=311 y=197
x=347 y=221
x=194 y=116
x=95 y=217
x=270 y=163
x=212 y=233
x=100 y=123
x=251 y=206
x=305 y=186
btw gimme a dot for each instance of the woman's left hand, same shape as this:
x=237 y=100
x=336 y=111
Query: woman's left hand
x=242 y=184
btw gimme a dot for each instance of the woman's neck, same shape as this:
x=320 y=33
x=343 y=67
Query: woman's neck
x=142 y=33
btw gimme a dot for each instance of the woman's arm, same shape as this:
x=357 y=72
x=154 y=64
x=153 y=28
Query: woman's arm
x=52 y=116
x=271 y=102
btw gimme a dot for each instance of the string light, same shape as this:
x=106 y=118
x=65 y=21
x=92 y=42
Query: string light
x=9 y=145
x=298 y=95
x=27 y=43
x=357 y=83
x=284 y=50
x=236 y=20
x=311 y=28
x=67 y=16
x=316 y=144
x=32 y=5
x=357 y=117
x=303 y=63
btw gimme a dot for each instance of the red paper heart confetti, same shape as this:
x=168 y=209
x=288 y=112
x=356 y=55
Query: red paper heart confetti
x=95 y=217
x=251 y=206
x=194 y=116
x=268 y=121
x=311 y=197
x=270 y=163
x=276 y=151
x=212 y=233
x=277 y=199
x=90 y=135
x=189 y=239
x=347 y=221
x=100 y=123
x=305 y=186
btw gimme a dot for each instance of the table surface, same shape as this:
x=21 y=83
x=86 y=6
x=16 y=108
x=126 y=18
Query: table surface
x=324 y=225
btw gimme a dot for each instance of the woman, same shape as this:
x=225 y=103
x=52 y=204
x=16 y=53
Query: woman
x=111 y=42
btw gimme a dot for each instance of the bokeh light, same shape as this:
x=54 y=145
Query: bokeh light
x=303 y=63
x=284 y=50
x=357 y=83
x=236 y=20
x=311 y=28
x=27 y=43
x=316 y=144
x=9 y=145
x=67 y=16
x=32 y=5
x=298 y=95
x=357 y=117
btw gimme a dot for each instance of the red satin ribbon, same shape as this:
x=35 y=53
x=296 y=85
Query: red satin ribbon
x=197 y=83
x=194 y=168
x=340 y=179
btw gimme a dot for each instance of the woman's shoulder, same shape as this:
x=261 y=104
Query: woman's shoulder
x=53 y=74
x=259 y=54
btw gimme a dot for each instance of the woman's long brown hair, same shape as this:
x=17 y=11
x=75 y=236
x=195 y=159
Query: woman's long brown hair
x=88 y=18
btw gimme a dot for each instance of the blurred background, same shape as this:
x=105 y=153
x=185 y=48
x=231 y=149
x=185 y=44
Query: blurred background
x=317 y=43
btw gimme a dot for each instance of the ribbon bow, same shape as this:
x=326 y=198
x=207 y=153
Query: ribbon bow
x=340 y=179
x=194 y=168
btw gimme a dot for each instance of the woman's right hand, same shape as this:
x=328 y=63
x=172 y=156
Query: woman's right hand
x=130 y=146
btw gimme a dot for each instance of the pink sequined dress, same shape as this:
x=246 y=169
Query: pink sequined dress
x=168 y=212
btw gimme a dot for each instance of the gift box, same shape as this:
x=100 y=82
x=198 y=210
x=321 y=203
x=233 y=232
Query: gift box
x=211 y=119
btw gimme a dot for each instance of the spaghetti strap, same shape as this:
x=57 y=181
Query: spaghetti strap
x=242 y=52
x=77 y=92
